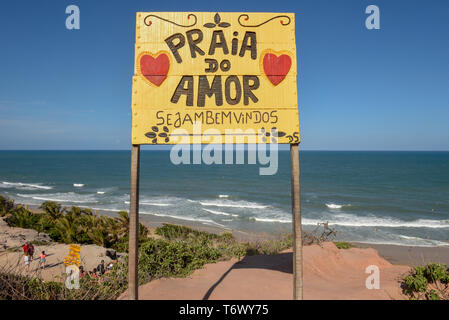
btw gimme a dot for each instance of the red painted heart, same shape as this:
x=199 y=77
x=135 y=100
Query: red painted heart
x=155 y=69
x=276 y=68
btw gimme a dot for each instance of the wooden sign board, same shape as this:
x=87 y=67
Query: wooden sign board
x=205 y=77
x=222 y=71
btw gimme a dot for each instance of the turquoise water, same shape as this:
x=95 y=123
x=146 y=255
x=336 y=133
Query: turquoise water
x=381 y=197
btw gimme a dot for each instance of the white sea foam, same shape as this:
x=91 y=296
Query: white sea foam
x=409 y=238
x=425 y=242
x=69 y=197
x=78 y=185
x=187 y=218
x=153 y=204
x=23 y=186
x=220 y=213
x=273 y=220
x=156 y=204
x=232 y=204
x=101 y=192
x=336 y=206
x=59 y=200
x=159 y=201
x=353 y=221
x=223 y=196
x=418 y=242
x=103 y=209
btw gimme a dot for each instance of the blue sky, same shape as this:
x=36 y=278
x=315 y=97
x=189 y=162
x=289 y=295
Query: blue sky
x=359 y=89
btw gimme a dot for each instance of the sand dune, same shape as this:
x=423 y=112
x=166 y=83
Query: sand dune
x=329 y=273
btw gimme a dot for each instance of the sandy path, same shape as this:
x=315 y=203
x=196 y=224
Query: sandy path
x=329 y=273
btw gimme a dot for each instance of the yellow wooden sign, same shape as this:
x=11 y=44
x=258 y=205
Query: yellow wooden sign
x=213 y=77
x=73 y=257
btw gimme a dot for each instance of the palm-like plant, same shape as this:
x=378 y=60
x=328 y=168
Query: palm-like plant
x=22 y=218
x=97 y=236
x=101 y=233
x=53 y=210
x=6 y=206
x=67 y=229
x=123 y=222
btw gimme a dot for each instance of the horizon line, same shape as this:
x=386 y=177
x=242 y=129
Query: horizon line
x=317 y=150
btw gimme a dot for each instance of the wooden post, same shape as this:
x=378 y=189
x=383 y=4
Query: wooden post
x=297 y=230
x=133 y=283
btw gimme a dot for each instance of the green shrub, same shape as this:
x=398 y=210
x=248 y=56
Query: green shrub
x=18 y=287
x=415 y=283
x=23 y=218
x=435 y=272
x=343 y=245
x=228 y=246
x=161 y=258
x=433 y=295
x=269 y=247
x=6 y=205
x=176 y=232
x=52 y=209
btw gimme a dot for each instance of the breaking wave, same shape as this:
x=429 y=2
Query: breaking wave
x=23 y=186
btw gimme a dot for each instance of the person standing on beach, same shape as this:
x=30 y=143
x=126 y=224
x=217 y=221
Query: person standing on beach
x=25 y=248
x=31 y=251
x=43 y=259
x=26 y=259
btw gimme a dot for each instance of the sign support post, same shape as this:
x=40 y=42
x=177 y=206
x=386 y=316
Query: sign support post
x=133 y=283
x=297 y=230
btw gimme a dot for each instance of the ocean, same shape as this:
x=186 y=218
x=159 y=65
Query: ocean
x=373 y=197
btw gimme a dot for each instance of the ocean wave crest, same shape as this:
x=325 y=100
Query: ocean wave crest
x=187 y=218
x=157 y=204
x=336 y=206
x=353 y=221
x=24 y=186
x=69 y=197
x=220 y=213
x=273 y=220
x=232 y=204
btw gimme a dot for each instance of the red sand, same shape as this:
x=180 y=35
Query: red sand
x=329 y=273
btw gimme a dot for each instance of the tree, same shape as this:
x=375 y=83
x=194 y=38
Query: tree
x=53 y=210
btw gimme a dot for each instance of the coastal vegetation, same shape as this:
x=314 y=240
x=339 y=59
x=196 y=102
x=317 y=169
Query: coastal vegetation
x=168 y=251
x=74 y=225
x=343 y=245
x=6 y=205
x=430 y=282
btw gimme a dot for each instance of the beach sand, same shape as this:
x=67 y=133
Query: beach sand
x=410 y=255
x=90 y=256
x=329 y=273
x=11 y=255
